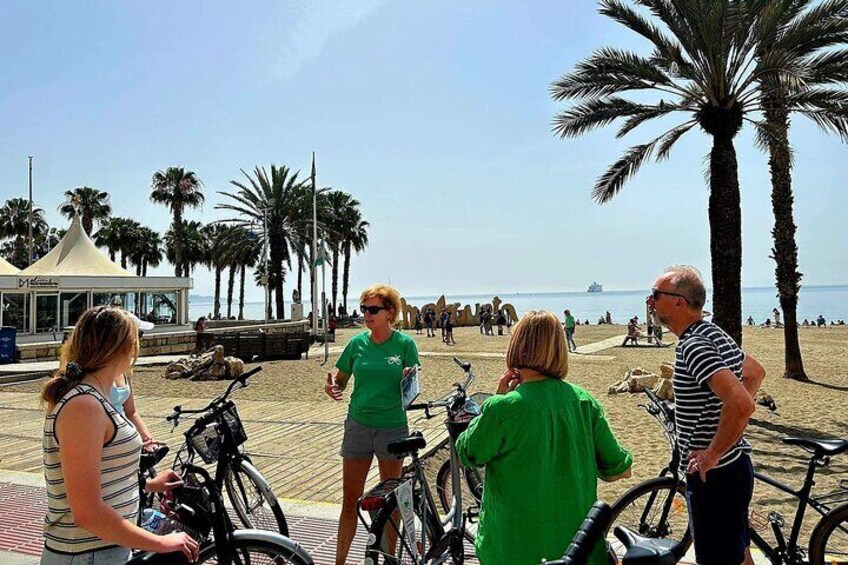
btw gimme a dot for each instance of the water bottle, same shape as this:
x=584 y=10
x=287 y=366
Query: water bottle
x=152 y=520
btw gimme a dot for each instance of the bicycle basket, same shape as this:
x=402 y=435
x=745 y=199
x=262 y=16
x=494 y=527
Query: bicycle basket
x=458 y=422
x=208 y=441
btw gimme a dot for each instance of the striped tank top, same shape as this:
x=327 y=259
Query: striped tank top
x=118 y=478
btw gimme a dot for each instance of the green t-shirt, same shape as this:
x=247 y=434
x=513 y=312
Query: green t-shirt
x=544 y=445
x=377 y=370
x=569 y=322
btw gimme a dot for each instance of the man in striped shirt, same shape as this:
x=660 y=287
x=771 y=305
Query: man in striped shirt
x=714 y=387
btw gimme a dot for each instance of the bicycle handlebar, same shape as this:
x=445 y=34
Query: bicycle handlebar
x=240 y=380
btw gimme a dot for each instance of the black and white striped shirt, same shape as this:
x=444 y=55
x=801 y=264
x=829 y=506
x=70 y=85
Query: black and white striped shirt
x=118 y=478
x=702 y=351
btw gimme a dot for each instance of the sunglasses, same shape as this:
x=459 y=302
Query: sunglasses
x=373 y=310
x=655 y=294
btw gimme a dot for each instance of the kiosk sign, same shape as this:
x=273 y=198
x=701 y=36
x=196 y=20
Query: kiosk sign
x=38 y=282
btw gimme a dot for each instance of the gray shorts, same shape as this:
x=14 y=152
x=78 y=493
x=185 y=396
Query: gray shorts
x=363 y=442
x=110 y=556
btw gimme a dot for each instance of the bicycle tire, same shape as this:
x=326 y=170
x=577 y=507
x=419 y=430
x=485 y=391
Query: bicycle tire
x=640 y=510
x=824 y=548
x=472 y=485
x=258 y=550
x=376 y=552
x=255 y=504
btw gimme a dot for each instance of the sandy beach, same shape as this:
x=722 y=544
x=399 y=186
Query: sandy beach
x=288 y=394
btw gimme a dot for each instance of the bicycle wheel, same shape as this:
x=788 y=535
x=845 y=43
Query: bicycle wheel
x=655 y=509
x=829 y=541
x=255 y=506
x=389 y=541
x=256 y=552
x=472 y=491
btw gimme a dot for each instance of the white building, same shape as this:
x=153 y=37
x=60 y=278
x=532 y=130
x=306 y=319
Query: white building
x=54 y=291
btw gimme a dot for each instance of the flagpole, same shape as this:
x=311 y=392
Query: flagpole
x=324 y=299
x=314 y=291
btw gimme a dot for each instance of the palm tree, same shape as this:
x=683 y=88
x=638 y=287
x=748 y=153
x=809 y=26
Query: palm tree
x=281 y=194
x=339 y=205
x=241 y=251
x=188 y=241
x=356 y=239
x=14 y=225
x=214 y=242
x=119 y=235
x=146 y=251
x=89 y=203
x=705 y=70
x=803 y=39
x=45 y=241
x=178 y=189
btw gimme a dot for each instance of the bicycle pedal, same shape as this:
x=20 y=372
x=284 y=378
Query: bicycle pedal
x=776 y=519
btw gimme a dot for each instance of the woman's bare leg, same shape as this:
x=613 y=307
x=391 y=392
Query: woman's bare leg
x=354 y=473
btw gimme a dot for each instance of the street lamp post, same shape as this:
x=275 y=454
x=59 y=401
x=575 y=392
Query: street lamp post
x=30 y=211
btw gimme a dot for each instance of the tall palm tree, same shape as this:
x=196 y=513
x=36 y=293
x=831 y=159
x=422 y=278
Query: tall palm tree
x=804 y=40
x=109 y=236
x=146 y=251
x=190 y=243
x=241 y=251
x=178 y=189
x=121 y=235
x=356 y=239
x=14 y=225
x=703 y=68
x=89 y=203
x=338 y=212
x=281 y=194
x=214 y=243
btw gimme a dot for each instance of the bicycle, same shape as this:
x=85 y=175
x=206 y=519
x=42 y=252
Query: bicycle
x=657 y=507
x=400 y=507
x=217 y=436
x=197 y=508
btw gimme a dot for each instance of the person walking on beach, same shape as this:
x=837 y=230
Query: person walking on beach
x=377 y=360
x=569 y=330
x=545 y=443
x=419 y=322
x=715 y=383
x=428 y=322
x=91 y=452
x=443 y=320
x=449 y=324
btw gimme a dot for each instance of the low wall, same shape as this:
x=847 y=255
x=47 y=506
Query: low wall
x=170 y=343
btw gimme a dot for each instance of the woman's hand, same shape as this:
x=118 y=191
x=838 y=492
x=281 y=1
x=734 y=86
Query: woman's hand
x=509 y=381
x=149 y=444
x=332 y=389
x=182 y=542
x=164 y=482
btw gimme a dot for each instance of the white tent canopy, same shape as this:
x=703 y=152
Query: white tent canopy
x=7 y=268
x=75 y=255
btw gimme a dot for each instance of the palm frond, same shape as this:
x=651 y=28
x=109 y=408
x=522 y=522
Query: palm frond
x=593 y=113
x=671 y=137
x=662 y=108
x=611 y=182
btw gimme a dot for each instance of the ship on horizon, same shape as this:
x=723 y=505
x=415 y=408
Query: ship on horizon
x=595 y=287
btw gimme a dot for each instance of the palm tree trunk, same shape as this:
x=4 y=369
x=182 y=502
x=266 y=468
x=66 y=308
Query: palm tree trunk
x=300 y=260
x=335 y=279
x=346 y=276
x=231 y=283
x=241 y=292
x=277 y=274
x=216 y=312
x=725 y=216
x=785 y=251
x=178 y=236
x=123 y=259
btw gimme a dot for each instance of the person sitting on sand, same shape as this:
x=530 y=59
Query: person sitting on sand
x=806 y=323
x=820 y=321
x=777 y=322
x=766 y=324
x=544 y=443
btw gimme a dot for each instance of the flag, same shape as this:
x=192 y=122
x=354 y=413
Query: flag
x=323 y=256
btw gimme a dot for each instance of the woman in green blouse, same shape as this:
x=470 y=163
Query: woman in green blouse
x=544 y=443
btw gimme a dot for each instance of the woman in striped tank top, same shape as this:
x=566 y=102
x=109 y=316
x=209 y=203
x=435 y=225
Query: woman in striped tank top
x=91 y=452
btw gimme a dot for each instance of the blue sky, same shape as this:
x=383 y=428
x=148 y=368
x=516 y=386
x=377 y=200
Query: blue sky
x=435 y=115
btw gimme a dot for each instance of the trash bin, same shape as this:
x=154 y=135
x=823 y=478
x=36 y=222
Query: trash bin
x=7 y=344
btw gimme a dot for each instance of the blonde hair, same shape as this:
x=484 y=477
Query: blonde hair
x=101 y=334
x=538 y=343
x=389 y=295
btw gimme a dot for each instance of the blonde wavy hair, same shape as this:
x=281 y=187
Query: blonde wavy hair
x=390 y=297
x=538 y=343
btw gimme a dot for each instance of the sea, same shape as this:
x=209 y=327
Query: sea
x=829 y=301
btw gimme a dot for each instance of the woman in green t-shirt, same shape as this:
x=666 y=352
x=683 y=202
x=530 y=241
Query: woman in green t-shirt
x=544 y=443
x=377 y=359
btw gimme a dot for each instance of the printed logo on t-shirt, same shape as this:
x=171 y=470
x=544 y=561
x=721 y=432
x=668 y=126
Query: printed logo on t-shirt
x=393 y=360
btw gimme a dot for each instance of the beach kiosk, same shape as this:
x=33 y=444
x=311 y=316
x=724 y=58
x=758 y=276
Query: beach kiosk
x=53 y=292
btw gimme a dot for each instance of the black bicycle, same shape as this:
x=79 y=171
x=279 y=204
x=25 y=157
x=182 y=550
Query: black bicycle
x=197 y=508
x=217 y=436
x=406 y=526
x=657 y=508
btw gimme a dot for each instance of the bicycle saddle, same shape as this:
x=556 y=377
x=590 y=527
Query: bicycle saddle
x=404 y=447
x=150 y=459
x=648 y=551
x=819 y=446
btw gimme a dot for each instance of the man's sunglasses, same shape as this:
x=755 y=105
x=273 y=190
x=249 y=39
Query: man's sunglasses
x=655 y=294
x=373 y=310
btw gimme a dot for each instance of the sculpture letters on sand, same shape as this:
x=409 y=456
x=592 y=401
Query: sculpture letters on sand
x=463 y=315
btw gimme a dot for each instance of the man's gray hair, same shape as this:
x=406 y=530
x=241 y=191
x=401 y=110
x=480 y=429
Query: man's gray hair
x=688 y=282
